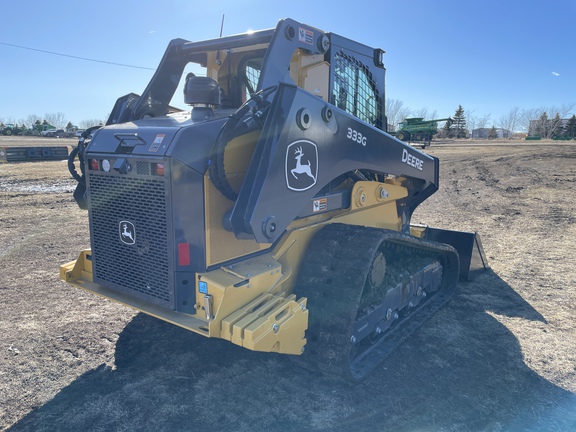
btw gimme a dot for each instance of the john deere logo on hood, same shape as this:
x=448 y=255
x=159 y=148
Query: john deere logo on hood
x=301 y=165
x=127 y=232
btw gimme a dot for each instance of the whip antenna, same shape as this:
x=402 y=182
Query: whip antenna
x=218 y=62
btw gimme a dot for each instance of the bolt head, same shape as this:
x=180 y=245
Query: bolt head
x=275 y=328
x=353 y=339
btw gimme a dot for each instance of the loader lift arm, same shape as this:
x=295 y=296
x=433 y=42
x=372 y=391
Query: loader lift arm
x=258 y=211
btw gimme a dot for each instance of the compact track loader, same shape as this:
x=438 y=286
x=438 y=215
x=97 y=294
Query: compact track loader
x=275 y=213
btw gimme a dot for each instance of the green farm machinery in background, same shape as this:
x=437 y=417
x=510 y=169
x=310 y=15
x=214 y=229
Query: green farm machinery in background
x=417 y=130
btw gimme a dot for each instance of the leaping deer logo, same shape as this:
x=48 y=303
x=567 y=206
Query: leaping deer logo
x=300 y=168
x=127 y=232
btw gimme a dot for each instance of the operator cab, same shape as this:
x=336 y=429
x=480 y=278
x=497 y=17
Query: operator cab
x=237 y=73
x=337 y=70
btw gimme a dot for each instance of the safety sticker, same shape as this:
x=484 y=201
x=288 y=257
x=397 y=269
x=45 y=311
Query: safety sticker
x=319 y=205
x=306 y=36
x=157 y=142
x=202 y=287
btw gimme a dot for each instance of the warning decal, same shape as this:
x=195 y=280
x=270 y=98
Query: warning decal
x=306 y=36
x=319 y=205
x=157 y=142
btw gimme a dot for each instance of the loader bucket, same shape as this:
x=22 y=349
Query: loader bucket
x=468 y=244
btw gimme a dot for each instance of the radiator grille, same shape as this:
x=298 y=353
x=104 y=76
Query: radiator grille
x=141 y=268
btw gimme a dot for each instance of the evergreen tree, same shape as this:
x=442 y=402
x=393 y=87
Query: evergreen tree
x=37 y=127
x=493 y=133
x=570 y=128
x=541 y=128
x=556 y=128
x=458 y=128
x=445 y=132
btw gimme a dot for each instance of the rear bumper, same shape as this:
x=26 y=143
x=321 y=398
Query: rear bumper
x=239 y=308
x=79 y=274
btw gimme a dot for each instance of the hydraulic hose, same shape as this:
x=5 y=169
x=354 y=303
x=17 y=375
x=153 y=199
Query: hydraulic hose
x=252 y=114
x=78 y=151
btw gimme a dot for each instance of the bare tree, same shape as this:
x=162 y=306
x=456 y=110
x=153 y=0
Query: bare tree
x=31 y=120
x=56 y=119
x=510 y=120
x=8 y=120
x=425 y=114
x=479 y=123
x=534 y=115
x=85 y=124
x=527 y=115
x=483 y=121
x=396 y=111
x=562 y=110
x=471 y=120
x=556 y=126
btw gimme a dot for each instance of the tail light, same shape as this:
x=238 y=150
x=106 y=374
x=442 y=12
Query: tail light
x=158 y=169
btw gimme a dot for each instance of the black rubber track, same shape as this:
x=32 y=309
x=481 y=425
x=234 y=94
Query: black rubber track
x=333 y=275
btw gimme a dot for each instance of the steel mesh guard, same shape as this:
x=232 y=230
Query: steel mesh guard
x=354 y=89
x=141 y=268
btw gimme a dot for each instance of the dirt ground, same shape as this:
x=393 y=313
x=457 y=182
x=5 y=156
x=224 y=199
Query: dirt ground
x=500 y=357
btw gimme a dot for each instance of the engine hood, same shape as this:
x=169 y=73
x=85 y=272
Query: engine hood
x=151 y=136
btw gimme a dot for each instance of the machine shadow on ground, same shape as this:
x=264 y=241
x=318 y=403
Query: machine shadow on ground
x=463 y=370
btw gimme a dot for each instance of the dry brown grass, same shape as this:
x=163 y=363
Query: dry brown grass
x=500 y=357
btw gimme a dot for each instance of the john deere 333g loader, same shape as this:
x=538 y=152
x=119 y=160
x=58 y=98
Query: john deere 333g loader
x=275 y=213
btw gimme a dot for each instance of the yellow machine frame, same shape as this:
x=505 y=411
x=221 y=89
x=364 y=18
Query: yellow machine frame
x=251 y=303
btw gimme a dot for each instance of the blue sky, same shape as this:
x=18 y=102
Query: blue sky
x=488 y=56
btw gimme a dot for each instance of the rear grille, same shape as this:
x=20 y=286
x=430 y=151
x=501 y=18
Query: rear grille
x=141 y=268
